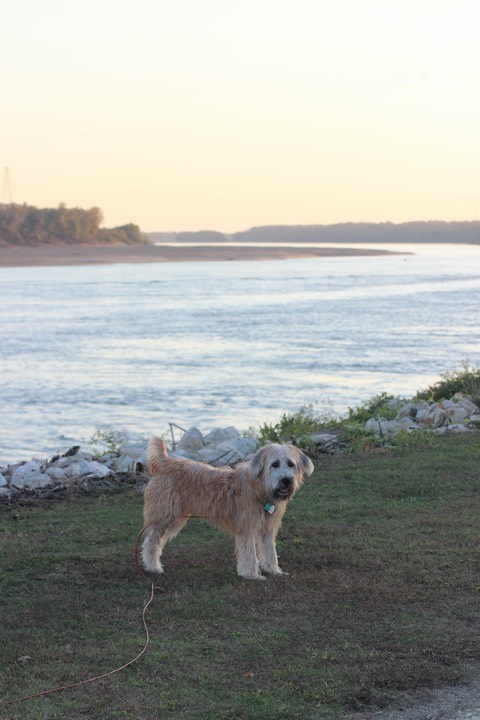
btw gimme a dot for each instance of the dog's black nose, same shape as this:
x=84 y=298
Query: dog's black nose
x=286 y=481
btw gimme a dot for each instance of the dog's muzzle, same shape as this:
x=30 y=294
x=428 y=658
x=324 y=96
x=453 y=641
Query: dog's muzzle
x=284 y=488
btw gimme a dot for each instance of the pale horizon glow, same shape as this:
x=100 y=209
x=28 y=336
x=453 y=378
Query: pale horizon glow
x=224 y=115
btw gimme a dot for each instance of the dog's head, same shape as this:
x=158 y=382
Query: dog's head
x=281 y=469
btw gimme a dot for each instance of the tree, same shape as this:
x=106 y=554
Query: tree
x=28 y=225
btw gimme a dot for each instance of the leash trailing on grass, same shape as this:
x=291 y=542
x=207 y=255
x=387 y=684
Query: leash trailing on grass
x=153 y=588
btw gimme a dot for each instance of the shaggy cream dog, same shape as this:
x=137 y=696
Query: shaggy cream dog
x=248 y=501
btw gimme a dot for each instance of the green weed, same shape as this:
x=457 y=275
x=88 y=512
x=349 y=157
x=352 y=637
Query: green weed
x=107 y=440
x=381 y=405
x=294 y=427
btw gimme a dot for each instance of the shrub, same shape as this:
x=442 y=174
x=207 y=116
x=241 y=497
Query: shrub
x=293 y=427
x=380 y=405
x=466 y=381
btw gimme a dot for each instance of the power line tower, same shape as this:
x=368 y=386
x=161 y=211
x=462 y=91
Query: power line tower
x=6 y=188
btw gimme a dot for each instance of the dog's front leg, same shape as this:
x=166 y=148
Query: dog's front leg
x=267 y=553
x=247 y=561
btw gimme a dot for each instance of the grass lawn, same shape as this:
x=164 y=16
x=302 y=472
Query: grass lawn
x=382 y=601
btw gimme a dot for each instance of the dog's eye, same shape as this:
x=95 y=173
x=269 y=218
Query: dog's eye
x=275 y=464
x=290 y=463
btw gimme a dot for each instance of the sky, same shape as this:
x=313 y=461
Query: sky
x=228 y=114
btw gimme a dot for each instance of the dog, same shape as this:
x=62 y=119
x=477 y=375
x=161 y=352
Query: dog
x=247 y=501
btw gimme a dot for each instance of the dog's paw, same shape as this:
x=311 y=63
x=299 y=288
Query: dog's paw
x=154 y=569
x=274 y=571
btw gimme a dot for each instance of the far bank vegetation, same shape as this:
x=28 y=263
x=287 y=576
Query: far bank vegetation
x=26 y=225
x=350 y=232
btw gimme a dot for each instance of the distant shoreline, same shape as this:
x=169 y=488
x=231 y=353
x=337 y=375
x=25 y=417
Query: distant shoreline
x=68 y=255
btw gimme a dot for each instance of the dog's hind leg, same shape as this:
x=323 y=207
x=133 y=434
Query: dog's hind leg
x=247 y=561
x=157 y=535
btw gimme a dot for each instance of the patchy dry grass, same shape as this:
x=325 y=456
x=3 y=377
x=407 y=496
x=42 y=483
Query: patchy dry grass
x=383 y=599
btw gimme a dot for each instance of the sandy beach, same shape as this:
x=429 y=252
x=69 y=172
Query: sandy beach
x=48 y=255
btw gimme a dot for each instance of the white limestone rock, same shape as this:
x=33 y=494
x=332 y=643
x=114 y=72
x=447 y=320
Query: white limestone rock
x=97 y=470
x=123 y=464
x=186 y=454
x=219 y=457
x=76 y=469
x=86 y=455
x=408 y=409
x=322 y=438
x=446 y=429
x=213 y=456
x=133 y=451
x=466 y=403
x=240 y=447
x=57 y=474
x=431 y=416
x=218 y=436
x=38 y=481
x=388 y=428
x=30 y=481
x=132 y=459
x=222 y=446
x=455 y=412
x=25 y=474
x=191 y=441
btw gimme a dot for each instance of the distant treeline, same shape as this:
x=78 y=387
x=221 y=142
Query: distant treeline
x=28 y=225
x=409 y=232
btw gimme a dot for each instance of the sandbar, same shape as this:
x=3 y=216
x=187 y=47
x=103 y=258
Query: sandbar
x=54 y=255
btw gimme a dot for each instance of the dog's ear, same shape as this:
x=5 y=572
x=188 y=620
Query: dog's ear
x=257 y=463
x=306 y=464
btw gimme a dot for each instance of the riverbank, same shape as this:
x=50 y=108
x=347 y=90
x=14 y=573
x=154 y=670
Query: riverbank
x=224 y=446
x=55 y=255
x=381 y=600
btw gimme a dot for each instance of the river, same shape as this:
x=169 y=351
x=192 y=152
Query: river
x=219 y=343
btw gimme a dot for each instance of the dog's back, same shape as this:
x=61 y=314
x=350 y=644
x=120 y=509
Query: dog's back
x=182 y=486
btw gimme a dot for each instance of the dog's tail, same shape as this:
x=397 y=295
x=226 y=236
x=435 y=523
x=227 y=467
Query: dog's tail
x=156 y=451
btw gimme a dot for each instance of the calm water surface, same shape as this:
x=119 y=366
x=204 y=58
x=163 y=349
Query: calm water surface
x=207 y=344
